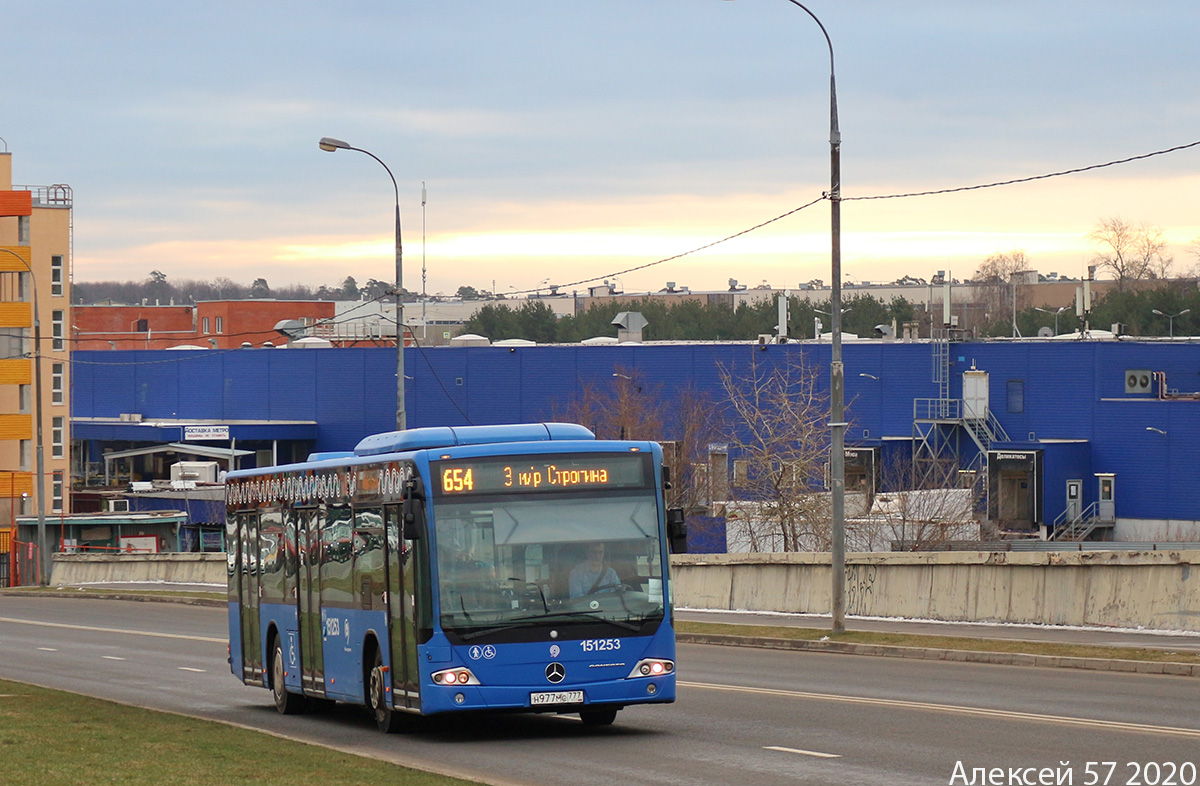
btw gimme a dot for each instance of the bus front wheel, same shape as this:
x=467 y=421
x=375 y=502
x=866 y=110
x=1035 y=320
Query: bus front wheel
x=386 y=719
x=603 y=716
x=286 y=703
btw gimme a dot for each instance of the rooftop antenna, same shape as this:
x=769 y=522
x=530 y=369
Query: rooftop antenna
x=424 y=299
x=423 y=200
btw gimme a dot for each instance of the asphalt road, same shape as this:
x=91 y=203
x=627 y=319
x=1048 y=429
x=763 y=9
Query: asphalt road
x=743 y=716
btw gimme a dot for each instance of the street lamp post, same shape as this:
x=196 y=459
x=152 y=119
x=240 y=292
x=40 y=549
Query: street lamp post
x=837 y=424
x=43 y=567
x=1171 y=318
x=332 y=145
x=1055 y=313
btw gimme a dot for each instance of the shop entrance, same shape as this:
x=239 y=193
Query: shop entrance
x=1015 y=489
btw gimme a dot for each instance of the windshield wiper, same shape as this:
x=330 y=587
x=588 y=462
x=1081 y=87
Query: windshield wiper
x=589 y=615
x=536 y=586
x=530 y=622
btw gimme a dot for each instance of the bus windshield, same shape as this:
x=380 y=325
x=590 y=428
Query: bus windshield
x=525 y=560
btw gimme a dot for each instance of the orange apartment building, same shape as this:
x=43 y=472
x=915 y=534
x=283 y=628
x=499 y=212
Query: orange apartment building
x=35 y=282
x=215 y=324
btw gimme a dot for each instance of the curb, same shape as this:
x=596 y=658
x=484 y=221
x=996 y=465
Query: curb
x=962 y=656
x=144 y=598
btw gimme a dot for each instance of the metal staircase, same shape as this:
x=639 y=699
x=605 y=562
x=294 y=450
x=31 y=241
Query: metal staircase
x=939 y=424
x=1078 y=528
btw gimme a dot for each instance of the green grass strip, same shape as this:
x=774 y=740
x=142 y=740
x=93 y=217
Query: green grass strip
x=52 y=738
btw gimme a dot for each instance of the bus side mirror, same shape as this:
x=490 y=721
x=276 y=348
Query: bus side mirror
x=413 y=511
x=676 y=531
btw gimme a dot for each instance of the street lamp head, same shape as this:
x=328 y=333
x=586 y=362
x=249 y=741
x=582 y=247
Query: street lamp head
x=1185 y=311
x=1156 y=311
x=329 y=144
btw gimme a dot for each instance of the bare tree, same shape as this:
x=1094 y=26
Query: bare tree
x=993 y=280
x=691 y=426
x=1130 y=251
x=776 y=433
x=920 y=510
x=620 y=408
x=627 y=408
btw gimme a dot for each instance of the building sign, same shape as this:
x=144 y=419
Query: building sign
x=202 y=433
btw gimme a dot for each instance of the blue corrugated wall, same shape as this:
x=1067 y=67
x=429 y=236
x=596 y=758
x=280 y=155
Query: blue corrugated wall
x=1071 y=391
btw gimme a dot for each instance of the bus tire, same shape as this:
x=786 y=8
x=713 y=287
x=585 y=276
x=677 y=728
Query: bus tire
x=286 y=703
x=601 y=716
x=387 y=719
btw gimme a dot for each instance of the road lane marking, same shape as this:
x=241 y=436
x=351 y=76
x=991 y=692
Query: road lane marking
x=983 y=712
x=47 y=649
x=122 y=631
x=111 y=657
x=197 y=671
x=816 y=754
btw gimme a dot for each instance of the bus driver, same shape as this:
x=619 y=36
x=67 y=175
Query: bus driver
x=592 y=575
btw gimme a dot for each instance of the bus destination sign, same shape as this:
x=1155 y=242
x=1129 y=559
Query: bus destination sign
x=522 y=474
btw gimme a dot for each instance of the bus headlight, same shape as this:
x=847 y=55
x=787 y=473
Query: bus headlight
x=652 y=667
x=459 y=676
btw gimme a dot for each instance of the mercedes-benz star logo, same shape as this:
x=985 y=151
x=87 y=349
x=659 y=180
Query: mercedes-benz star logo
x=556 y=673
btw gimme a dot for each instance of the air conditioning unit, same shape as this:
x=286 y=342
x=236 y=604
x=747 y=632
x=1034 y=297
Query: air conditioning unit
x=130 y=417
x=118 y=506
x=194 y=471
x=1138 y=380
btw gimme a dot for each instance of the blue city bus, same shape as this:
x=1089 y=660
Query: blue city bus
x=479 y=568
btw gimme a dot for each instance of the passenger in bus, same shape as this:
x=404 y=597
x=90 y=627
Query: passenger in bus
x=593 y=574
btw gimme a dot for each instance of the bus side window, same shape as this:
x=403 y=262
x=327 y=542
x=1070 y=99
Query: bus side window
x=272 y=550
x=368 y=557
x=336 y=557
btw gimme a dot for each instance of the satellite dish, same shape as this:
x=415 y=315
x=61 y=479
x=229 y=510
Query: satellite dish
x=1045 y=332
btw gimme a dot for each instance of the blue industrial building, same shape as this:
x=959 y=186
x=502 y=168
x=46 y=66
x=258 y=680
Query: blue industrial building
x=1064 y=429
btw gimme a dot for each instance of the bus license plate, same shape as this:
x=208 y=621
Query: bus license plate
x=556 y=697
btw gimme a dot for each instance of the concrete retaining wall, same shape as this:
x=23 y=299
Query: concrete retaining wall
x=72 y=569
x=1104 y=588
x=1116 y=589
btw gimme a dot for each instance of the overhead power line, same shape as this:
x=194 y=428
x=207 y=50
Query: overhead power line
x=910 y=194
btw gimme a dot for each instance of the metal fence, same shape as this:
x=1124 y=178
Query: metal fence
x=20 y=565
x=6 y=537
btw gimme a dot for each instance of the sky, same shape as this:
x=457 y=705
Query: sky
x=566 y=141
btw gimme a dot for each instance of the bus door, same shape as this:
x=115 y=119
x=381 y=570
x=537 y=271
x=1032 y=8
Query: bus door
x=308 y=535
x=402 y=617
x=248 y=579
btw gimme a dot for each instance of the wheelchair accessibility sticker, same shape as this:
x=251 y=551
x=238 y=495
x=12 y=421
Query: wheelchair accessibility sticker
x=477 y=652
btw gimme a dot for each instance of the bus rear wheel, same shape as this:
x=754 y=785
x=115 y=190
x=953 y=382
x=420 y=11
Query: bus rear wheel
x=286 y=703
x=386 y=719
x=603 y=716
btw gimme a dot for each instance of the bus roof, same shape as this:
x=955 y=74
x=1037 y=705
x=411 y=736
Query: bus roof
x=454 y=436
